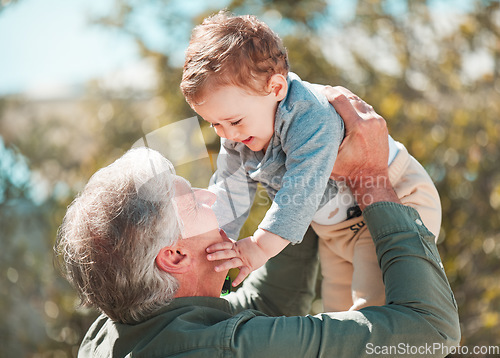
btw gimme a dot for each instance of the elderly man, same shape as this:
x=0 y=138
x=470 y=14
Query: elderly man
x=134 y=244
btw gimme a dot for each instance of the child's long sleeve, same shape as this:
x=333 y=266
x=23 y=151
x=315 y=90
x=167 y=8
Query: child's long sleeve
x=235 y=192
x=310 y=134
x=294 y=169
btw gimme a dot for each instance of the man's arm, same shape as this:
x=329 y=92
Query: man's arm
x=364 y=153
x=420 y=317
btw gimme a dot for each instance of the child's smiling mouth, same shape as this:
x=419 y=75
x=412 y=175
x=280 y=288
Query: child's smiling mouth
x=247 y=141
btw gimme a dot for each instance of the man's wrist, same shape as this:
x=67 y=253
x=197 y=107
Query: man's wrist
x=370 y=189
x=386 y=218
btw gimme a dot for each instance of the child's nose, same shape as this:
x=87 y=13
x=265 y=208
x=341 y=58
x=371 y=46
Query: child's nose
x=220 y=132
x=231 y=133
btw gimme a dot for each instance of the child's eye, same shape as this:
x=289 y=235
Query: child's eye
x=213 y=125
x=237 y=122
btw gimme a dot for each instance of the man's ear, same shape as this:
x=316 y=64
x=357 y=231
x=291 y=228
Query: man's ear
x=278 y=86
x=172 y=260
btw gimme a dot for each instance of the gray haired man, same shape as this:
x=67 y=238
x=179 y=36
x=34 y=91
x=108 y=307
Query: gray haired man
x=133 y=244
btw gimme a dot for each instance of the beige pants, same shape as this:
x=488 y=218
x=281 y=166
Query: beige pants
x=352 y=278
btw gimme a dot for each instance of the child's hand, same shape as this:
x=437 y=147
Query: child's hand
x=244 y=254
x=247 y=254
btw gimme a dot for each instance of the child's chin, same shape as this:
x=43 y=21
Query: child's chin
x=253 y=147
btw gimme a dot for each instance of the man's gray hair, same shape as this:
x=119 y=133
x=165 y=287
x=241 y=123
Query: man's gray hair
x=113 y=231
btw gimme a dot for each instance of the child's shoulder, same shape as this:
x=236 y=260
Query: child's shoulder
x=305 y=111
x=302 y=92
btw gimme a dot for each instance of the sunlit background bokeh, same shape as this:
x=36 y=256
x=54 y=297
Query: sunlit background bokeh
x=81 y=81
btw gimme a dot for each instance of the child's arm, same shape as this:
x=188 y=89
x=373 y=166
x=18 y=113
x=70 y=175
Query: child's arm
x=247 y=254
x=310 y=133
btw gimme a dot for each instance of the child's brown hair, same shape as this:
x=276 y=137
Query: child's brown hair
x=231 y=50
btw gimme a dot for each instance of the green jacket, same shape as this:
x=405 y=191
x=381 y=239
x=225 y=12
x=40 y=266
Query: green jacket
x=420 y=318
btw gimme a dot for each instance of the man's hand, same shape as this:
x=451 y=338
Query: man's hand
x=247 y=254
x=364 y=152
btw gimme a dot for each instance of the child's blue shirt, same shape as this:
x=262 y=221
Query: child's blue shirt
x=294 y=170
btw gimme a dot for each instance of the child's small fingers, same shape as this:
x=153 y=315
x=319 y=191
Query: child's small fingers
x=236 y=282
x=229 y=264
x=244 y=272
x=221 y=255
x=220 y=246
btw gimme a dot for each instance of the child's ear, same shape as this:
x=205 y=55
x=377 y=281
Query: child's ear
x=172 y=259
x=278 y=86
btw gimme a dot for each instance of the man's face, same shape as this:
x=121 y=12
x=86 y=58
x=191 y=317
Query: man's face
x=239 y=116
x=194 y=207
x=200 y=230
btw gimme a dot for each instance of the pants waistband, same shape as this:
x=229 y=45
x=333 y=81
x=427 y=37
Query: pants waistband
x=399 y=164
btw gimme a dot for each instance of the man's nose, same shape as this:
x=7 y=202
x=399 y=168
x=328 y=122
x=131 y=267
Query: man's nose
x=205 y=197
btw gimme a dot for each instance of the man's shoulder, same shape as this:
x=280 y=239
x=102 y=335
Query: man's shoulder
x=188 y=323
x=96 y=340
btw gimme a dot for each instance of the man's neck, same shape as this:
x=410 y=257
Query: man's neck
x=198 y=286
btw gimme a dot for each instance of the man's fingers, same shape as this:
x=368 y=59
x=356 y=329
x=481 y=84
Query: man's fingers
x=366 y=132
x=337 y=90
x=349 y=106
x=354 y=111
x=344 y=101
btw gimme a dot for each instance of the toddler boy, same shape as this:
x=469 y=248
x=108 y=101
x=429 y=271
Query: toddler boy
x=279 y=131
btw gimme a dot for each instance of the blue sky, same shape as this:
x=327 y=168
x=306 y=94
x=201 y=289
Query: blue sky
x=50 y=42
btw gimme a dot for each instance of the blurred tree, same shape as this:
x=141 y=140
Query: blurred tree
x=34 y=303
x=434 y=77
x=14 y=201
x=5 y=3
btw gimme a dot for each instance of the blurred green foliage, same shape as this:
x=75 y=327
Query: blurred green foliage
x=435 y=79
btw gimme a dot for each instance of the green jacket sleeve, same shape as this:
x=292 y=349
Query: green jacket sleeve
x=419 y=319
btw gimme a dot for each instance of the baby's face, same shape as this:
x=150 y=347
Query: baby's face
x=239 y=116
